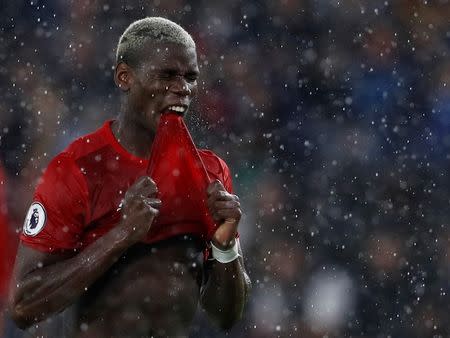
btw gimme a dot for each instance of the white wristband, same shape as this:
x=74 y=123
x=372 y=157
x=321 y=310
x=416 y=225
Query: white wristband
x=225 y=256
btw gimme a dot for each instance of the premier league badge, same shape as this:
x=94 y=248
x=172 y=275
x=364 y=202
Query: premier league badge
x=35 y=220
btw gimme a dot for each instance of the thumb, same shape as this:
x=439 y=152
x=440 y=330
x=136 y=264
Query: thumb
x=215 y=185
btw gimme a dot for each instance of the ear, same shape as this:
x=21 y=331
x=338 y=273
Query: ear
x=123 y=76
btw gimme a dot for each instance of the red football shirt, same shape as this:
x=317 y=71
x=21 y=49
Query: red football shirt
x=78 y=195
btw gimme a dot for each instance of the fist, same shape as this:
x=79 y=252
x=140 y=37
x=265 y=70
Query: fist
x=225 y=209
x=139 y=208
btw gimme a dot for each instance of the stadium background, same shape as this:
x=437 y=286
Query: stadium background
x=333 y=115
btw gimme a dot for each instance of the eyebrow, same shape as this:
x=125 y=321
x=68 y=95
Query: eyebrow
x=176 y=71
x=193 y=72
x=168 y=70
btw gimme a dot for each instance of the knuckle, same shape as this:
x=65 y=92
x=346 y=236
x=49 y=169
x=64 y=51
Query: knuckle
x=139 y=182
x=129 y=202
x=131 y=193
x=152 y=212
x=128 y=195
x=143 y=183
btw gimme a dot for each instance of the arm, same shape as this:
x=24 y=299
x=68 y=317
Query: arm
x=47 y=283
x=225 y=291
x=225 y=285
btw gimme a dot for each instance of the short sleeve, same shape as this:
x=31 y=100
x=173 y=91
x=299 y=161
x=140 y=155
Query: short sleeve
x=217 y=169
x=227 y=179
x=57 y=216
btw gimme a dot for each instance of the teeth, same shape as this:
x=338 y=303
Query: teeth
x=179 y=109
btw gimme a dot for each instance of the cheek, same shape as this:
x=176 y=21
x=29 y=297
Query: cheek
x=155 y=95
x=138 y=97
x=194 y=89
x=151 y=102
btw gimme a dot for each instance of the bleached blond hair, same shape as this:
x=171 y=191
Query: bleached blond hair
x=150 y=29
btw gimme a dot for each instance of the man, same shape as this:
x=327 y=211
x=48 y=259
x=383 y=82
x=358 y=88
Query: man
x=80 y=247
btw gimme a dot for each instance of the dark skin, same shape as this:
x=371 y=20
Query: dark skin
x=126 y=288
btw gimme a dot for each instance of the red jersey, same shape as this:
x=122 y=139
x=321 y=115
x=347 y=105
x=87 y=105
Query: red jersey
x=77 y=198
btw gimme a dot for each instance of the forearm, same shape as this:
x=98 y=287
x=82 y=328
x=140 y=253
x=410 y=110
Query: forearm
x=52 y=288
x=224 y=294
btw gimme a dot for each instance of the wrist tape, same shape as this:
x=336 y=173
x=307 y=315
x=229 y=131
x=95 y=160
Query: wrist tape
x=225 y=256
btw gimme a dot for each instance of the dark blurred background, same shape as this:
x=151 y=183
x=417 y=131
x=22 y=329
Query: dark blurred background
x=334 y=117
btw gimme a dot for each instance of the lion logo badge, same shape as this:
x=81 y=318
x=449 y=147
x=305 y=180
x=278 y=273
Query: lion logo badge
x=35 y=220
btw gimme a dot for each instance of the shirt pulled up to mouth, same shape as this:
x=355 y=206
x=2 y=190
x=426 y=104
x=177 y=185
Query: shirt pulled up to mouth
x=180 y=175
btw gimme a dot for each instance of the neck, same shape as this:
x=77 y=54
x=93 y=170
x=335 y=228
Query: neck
x=133 y=137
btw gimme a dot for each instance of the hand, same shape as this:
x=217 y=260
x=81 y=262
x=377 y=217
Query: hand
x=139 y=209
x=225 y=209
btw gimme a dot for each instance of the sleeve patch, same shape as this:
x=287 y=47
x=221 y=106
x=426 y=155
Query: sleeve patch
x=35 y=219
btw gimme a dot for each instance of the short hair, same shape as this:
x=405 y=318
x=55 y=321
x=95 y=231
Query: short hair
x=150 y=29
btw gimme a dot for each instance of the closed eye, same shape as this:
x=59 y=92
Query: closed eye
x=191 y=77
x=168 y=74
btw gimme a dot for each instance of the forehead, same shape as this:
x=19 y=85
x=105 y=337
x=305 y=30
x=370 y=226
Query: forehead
x=169 y=55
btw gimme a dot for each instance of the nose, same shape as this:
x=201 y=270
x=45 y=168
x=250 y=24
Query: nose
x=180 y=87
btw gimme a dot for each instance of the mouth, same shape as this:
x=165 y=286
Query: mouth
x=177 y=109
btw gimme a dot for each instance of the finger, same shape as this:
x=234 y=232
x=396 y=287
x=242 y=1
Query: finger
x=225 y=214
x=153 y=202
x=145 y=186
x=150 y=208
x=216 y=185
x=220 y=196
x=213 y=213
x=228 y=214
x=216 y=218
x=139 y=184
x=226 y=204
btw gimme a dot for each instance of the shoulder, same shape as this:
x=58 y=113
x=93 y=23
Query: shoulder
x=61 y=172
x=89 y=143
x=66 y=167
x=216 y=168
x=213 y=163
